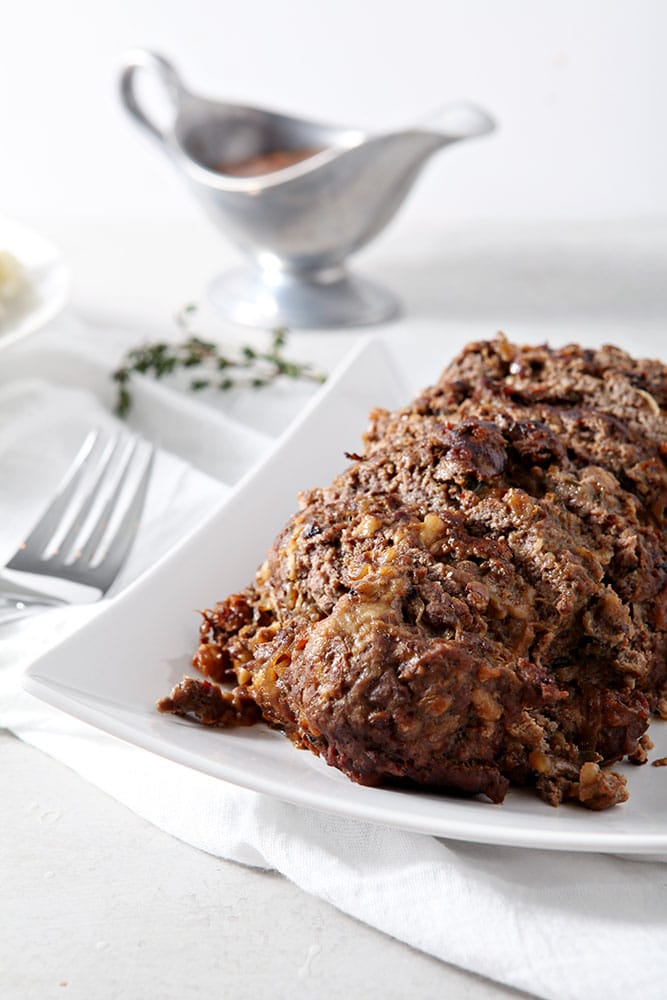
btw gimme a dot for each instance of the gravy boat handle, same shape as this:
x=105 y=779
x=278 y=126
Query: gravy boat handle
x=142 y=60
x=454 y=122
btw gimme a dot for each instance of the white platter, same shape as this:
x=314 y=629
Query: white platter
x=110 y=673
x=47 y=277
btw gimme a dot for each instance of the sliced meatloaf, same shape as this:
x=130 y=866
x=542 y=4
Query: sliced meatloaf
x=480 y=599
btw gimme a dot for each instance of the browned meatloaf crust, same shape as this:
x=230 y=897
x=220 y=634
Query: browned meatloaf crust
x=480 y=599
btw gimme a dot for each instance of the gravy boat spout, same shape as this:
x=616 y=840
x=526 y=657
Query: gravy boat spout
x=380 y=171
x=297 y=197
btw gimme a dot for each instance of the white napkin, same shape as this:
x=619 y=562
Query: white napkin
x=556 y=925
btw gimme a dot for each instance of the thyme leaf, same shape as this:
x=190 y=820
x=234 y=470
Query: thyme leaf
x=244 y=366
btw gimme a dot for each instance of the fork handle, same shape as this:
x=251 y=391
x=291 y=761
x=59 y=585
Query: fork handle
x=16 y=595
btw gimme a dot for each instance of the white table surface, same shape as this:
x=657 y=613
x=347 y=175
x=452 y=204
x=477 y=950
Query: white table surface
x=97 y=903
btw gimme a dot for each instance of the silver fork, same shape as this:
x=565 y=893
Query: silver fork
x=76 y=539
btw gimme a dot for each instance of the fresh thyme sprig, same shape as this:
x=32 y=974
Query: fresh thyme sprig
x=220 y=368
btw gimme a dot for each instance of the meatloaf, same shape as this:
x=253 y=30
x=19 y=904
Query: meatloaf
x=480 y=599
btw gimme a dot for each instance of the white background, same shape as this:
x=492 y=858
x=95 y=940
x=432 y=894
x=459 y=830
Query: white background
x=579 y=89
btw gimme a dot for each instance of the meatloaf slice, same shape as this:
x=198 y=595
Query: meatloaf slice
x=480 y=599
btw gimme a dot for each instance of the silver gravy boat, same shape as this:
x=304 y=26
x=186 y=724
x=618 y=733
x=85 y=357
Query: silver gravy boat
x=296 y=225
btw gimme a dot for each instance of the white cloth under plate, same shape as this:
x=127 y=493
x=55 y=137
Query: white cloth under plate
x=557 y=925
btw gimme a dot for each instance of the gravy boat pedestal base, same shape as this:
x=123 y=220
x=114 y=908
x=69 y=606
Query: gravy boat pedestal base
x=268 y=298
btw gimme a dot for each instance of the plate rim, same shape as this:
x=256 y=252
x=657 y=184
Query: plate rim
x=583 y=842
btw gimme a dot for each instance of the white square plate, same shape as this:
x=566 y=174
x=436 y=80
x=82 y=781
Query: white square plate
x=111 y=672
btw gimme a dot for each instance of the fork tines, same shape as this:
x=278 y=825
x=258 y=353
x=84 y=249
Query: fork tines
x=88 y=529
